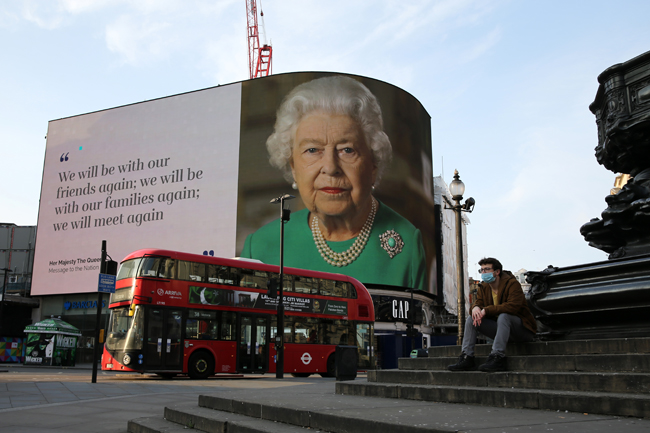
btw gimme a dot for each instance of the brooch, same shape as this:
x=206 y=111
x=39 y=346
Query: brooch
x=392 y=242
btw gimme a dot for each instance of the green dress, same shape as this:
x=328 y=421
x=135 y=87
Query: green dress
x=373 y=266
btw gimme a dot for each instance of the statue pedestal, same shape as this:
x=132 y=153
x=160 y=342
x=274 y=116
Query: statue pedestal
x=608 y=299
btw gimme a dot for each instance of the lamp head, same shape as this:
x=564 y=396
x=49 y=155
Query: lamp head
x=457 y=187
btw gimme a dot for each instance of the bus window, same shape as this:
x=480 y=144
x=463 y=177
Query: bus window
x=218 y=274
x=339 y=289
x=300 y=331
x=191 y=271
x=168 y=269
x=274 y=327
x=150 y=266
x=253 y=278
x=313 y=331
x=128 y=269
x=202 y=325
x=124 y=331
x=306 y=285
x=228 y=325
x=197 y=271
x=288 y=282
x=339 y=332
x=327 y=287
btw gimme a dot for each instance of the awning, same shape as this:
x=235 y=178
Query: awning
x=52 y=326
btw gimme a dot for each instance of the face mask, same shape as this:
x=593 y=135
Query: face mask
x=488 y=277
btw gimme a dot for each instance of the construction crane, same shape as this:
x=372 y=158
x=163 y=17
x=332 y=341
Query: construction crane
x=259 y=57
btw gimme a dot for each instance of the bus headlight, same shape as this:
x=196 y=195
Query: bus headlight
x=127 y=359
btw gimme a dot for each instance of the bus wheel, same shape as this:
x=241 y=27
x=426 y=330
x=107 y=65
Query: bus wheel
x=201 y=366
x=331 y=367
x=301 y=374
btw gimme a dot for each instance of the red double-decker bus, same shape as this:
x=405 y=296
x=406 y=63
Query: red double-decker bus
x=178 y=313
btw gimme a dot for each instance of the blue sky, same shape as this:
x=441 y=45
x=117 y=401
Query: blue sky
x=507 y=85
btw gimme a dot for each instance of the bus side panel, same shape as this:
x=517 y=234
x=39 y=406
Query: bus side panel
x=223 y=352
x=306 y=358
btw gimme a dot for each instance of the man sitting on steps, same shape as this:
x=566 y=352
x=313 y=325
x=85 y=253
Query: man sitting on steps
x=500 y=311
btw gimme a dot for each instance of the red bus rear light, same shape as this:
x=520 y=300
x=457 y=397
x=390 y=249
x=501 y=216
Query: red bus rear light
x=363 y=311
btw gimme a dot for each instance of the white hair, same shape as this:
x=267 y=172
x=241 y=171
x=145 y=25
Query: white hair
x=337 y=95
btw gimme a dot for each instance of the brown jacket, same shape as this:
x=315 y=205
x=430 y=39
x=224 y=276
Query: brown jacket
x=511 y=301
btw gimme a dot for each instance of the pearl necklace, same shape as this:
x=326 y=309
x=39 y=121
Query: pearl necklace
x=346 y=257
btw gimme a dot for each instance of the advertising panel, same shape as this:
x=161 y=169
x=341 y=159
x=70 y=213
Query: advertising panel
x=193 y=173
x=243 y=299
x=161 y=173
x=378 y=176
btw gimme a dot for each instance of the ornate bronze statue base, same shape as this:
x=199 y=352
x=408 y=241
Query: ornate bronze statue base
x=609 y=299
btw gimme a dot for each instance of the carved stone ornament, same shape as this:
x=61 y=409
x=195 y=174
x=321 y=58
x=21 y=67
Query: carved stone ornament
x=622 y=109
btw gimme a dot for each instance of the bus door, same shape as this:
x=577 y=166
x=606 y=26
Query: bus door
x=253 y=343
x=163 y=339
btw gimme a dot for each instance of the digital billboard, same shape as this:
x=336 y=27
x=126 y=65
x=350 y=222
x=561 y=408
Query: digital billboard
x=192 y=173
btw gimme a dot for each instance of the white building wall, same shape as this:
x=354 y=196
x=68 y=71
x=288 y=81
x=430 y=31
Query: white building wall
x=448 y=230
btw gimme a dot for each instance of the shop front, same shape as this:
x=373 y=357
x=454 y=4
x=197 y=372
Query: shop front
x=397 y=310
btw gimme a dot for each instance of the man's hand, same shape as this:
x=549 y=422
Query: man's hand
x=477 y=316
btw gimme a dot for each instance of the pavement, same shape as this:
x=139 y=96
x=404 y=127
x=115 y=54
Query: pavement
x=50 y=399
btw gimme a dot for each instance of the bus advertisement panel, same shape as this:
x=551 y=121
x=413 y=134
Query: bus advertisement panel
x=196 y=171
x=177 y=313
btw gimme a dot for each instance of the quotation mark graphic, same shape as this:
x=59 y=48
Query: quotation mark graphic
x=64 y=156
x=208 y=253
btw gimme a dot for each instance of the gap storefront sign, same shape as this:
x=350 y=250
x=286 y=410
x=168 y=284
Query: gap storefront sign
x=397 y=309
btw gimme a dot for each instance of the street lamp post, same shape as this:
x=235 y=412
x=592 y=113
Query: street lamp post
x=457 y=189
x=279 y=335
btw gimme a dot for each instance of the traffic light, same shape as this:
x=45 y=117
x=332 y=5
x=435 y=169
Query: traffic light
x=272 y=284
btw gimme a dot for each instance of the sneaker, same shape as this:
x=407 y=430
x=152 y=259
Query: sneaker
x=465 y=363
x=495 y=362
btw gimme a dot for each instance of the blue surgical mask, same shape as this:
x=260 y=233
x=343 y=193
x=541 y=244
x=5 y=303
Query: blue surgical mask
x=488 y=277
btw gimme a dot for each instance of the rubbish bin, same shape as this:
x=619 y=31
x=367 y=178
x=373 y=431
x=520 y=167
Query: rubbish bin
x=347 y=360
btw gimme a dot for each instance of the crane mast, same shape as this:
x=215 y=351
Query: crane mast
x=259 y=57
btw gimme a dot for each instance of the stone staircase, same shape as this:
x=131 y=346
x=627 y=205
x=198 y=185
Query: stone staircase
x=610 y=377
x=269 y=413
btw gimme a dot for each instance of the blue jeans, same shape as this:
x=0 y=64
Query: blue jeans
x=506 y=328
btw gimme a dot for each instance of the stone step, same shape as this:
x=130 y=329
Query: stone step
x=335 y=413
x=637 y=363
x=182 y=419
x=633 y=405
x=629 y=383
x=564 y=347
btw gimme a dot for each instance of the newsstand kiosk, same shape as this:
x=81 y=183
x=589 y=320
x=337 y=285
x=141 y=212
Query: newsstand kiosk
x=51 y=342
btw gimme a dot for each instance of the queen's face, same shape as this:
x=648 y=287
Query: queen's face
x=332 y=166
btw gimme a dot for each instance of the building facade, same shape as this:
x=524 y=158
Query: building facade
x=16 y=306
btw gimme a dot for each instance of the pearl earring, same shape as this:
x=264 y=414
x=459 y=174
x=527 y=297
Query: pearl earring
x=294 y=185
